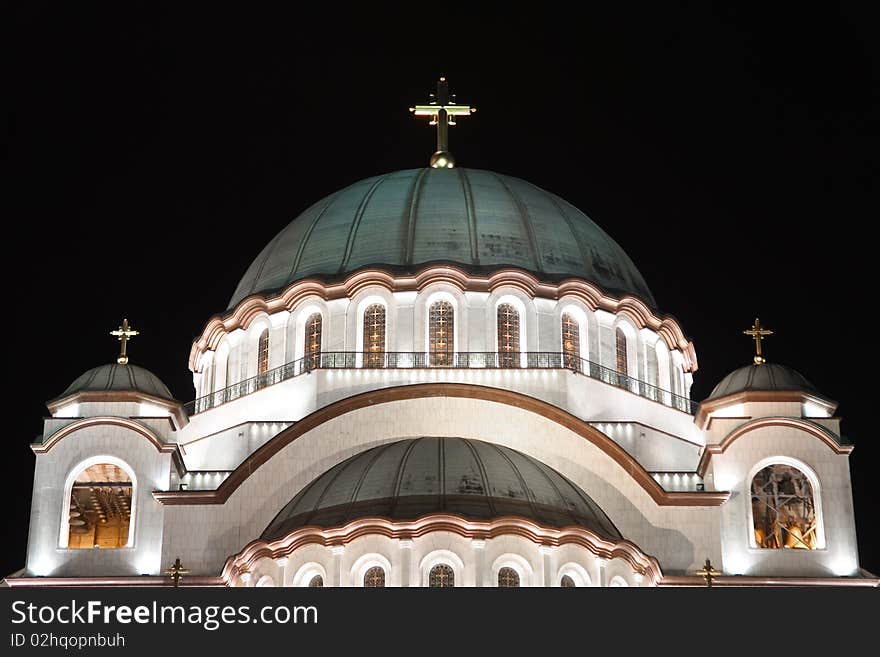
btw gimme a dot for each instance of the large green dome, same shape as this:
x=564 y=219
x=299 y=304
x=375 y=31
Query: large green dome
x=478 y=220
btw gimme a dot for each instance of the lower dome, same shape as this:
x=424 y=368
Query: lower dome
x=119 y=378
x=765 y=377
x=408 y=479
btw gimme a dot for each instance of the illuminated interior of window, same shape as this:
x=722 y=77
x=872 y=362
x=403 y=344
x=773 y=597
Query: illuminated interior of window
x=441 y=577
x=312 y=351
x=263 y=353
x=508 y=336
x=508 y=578
x=571 y=342
x=374 y=335
x=374 y=577
x=100 y=508
x=621 y=351
x=316 y=582
x=783 y=510
x=567 y=582
x=441 y=338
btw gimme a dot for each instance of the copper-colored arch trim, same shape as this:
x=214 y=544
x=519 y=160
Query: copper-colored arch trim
x=457 y=390
x=794 y=423
x=42 y=448
x=709 y=406
x=255 y=305
x=246 y=560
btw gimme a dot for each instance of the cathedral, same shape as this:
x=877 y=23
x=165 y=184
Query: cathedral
x=442 y=377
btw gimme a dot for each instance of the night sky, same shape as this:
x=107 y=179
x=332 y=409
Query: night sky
x=151 y=154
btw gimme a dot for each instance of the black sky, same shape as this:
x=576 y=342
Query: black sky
x=152 y=152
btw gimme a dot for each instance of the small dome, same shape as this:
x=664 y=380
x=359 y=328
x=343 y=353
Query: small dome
x=478 y=220
x=408 y=479
x=766 y=377
x=116 y=377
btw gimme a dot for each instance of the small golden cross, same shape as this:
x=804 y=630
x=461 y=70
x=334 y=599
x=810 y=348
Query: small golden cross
x=758 y=333
x=442 y=109
x=708 y=573
x=176 y=571
x=124 y=333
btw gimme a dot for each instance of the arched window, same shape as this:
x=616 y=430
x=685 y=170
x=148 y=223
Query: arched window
x=508 y=578
x=317 y=582
x=441 y=577
x=783 y=509
x=621 y=350
x=571 y=342
x=567 y=582
x=441 y=333
x=312 y=350
x=508 y=336
x=100 y=508
x=374 y=335
x=263 y=352
x=374 y=577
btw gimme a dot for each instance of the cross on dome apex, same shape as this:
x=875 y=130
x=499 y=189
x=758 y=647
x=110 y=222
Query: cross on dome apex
x=442 y=109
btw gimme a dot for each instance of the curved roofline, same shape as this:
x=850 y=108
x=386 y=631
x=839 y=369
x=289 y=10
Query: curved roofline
x=552 y=413
x=253 y=306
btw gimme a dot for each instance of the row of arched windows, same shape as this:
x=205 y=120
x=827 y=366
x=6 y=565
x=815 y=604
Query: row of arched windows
x=441 y=576
x=441 y=345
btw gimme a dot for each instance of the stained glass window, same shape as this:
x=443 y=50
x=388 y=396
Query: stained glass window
x=374 y=577
x=263 y=353
x=783 y=510
x=571 y=342
x=317 y=582
x=441 y=333
x=100 y=508
x=567 y=582
x=441 y=577
x=312 y=351
x=621 y=351
x=374 y=335
x=508 y=336
x=508 y=578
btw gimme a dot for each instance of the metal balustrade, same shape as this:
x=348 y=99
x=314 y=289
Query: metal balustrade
x=529 y=360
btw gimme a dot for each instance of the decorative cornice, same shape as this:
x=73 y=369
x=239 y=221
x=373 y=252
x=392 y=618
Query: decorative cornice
x=709 y=406
x=457 y=390
x=255 y=305
x=806 y=426
x=114 y=581
x=175 y=408
x=42 y=448
x=246 y=560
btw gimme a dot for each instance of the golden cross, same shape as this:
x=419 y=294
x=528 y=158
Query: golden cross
x=442 y=109
x=758 y=333
x=124 y=333
x=176 y=571
x=708 y=573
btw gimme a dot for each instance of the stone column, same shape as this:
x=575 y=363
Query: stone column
x=282 y=571
x=479 y=548
x=336 y=575
x=406 y=545
x=546 y=569
x=602 y=563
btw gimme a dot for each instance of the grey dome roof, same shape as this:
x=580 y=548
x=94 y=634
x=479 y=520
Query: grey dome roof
x=116 y=377
x=479 y=220
x=769 y=376
x=411 y=478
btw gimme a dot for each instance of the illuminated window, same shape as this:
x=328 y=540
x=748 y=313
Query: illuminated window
x=621 y=351
x=317 y=582
x=312 y=351
x=508 y=336
x=571 y=342
x=263 y=353
x=567 y=582
x=374 y=577
x=441 y=333
x=783 y=510
x=374 y=335
x=441 y=577
x=508 y=578
x=100 y=508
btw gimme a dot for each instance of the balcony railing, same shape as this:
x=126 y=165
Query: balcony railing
x=336 y=360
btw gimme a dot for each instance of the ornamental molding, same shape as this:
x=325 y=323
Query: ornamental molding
x=257 y=305
x=137 y=427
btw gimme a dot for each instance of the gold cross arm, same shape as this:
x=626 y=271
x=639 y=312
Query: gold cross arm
x=442 y=109
x=176 y=571
x=708 y=573
x=124 y=333
x=758 y=333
